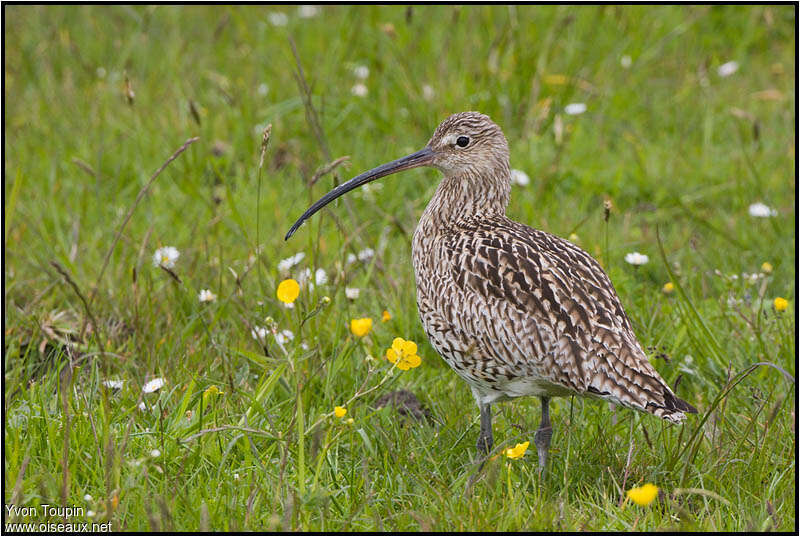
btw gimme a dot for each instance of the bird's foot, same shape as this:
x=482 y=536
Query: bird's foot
x=484 y=444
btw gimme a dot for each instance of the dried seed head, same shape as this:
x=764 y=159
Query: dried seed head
x=264 y=142
x=607 y=205
x=129 y=94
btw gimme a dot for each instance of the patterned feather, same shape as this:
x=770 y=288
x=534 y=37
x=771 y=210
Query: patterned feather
x=517 y=311
x=537 y=314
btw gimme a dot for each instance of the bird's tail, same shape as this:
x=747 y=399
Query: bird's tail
x=672 y=408
x=631 y=381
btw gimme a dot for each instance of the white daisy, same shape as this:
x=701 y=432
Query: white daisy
x=636 y=259
x=320 y=276
x=359 y=90
x=285 y=265
x=259 y=333
x=307 y=11
x=518 y=177
x=303 y=276
x=113 y=384
x=276 y=18
x=352 y=292
x=366 y=254
x=626 y=62
x=752 y=278
x=166 y=256
x=727 y=68
x=573 y=109
x=206 y=296
x=759 y=210
x=361 y=71
x=154 y=385
x=428 y=93
x=284 y=336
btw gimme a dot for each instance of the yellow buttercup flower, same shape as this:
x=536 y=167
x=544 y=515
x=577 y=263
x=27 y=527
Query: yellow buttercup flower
x=668 y=288
x=339 y=411
x=556 y=80
x=404 y=354
x=780 y=304
x=211 y=392
x=643 y=495
x=766 y=267
x=386 y=316
x=517 y=451
x=288 y=291
x=361 y=327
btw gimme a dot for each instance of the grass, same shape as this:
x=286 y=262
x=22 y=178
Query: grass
x=680 y=151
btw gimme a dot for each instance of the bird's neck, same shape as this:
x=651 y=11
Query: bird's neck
x=467 y=196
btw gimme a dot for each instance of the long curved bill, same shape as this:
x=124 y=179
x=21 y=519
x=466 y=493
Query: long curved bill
x=422 y=157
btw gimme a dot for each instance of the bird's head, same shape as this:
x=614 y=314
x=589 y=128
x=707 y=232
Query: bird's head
x=468 y=143
x=464 y=144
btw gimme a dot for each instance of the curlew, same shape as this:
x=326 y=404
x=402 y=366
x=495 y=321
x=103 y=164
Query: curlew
x=513 y=310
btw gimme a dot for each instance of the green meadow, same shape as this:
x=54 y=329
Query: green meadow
x=133 y=401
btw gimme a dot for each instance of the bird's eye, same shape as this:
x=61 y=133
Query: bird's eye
x=462 y=141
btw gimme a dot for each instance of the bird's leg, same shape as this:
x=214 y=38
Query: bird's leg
x=485 y=440
x=543 y=434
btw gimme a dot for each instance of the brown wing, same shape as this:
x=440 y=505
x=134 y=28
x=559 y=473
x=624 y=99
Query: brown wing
x=572 y=321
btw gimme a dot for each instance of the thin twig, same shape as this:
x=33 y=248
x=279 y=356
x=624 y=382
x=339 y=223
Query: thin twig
x=326 y=169
x=86 y=305
x=85 y=167
x=311 y=113
x=128 y=216
x=265 y=136
x=171 y=273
